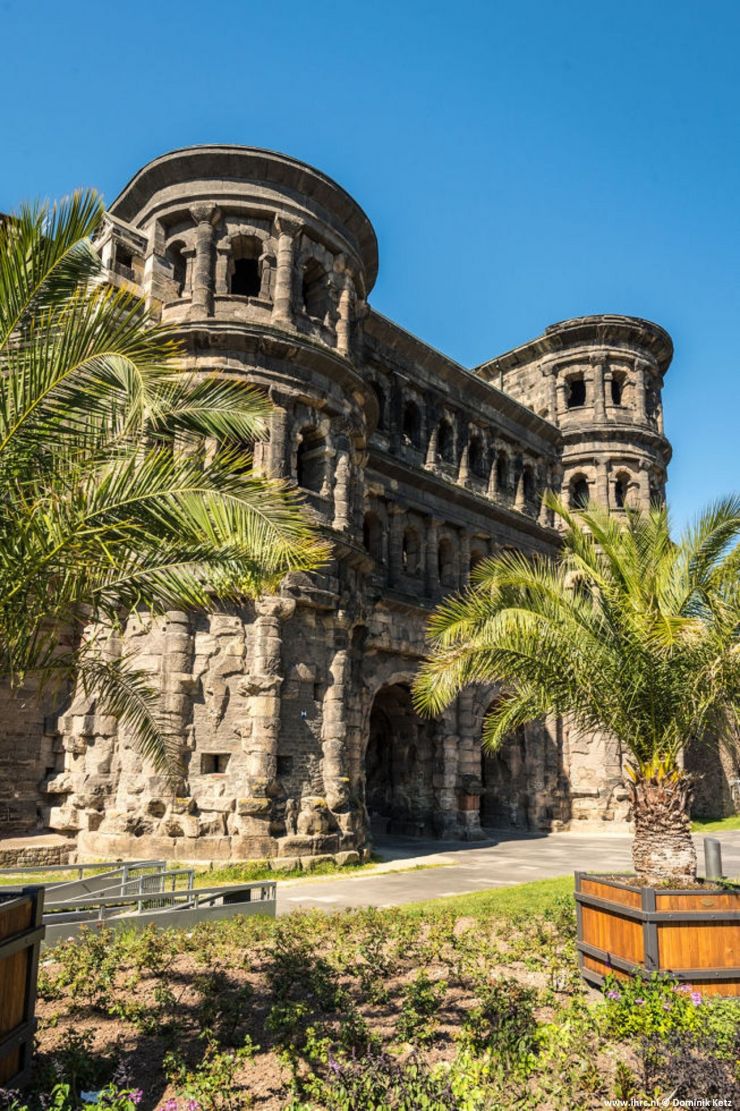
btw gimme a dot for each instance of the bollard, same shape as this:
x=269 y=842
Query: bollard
x=712 y=858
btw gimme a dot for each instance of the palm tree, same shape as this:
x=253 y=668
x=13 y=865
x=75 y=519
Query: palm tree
x=124 y=481
x=624 y=632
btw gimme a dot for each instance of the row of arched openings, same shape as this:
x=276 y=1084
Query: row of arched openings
x=245 y=274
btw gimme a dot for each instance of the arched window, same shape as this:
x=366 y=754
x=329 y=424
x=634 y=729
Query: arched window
x=446 y=442
x=617 y=388
x=411 y=552
x=315 y=290
x=311 y=461
x=372 y=536
x=446 y=562
x=245 y=278
x=178 y=265
x=476 y=556
x=411 y=426
x=621 y=490
x=476 y=457
x=380 y=398
x=579 y=492
x=575 y=395
x=530 y=487
x=502 y=472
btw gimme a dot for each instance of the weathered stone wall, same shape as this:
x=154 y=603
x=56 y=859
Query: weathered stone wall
x=292 y=715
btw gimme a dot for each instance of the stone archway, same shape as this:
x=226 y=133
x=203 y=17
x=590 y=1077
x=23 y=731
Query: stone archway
x=399 y=763
x=505 y=801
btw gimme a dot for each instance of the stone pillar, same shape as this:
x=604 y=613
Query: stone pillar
x=562 y=391
x=553 y=395
x=469 y=781
x=342 y=484
x=445 y=777
x=599 y=394
x=278 y=452
x=344 y=319
x=519 y=499
x=431 y=456
x=205 y=216
x=464 y=557
x=602 y=482
x=543 y=483
x=334 y=728
x=395 y=546
x=644 y=487
x=262 y=685
x=640 y=407
x=432 y=560
x=492 y=489
x=177 y=682
x=463 y=473
x=282 y=300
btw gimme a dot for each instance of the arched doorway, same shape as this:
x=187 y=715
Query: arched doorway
x=399 y=760
x=504 y=803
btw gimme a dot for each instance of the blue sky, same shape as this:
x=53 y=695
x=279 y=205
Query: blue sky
x=522 y=162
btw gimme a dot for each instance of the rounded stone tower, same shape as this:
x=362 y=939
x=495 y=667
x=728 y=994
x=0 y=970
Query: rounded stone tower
x=600 y=379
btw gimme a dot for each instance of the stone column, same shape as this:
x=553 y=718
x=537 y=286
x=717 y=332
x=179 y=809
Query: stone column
x=519 y=499
x=640 y=408
x=602 y=482
x=553 y=395
x=644 y=487
x=463 y=473
x=469 y=781
x=177 y=682
x=262 y=727
x=432 y=561
x=342 y=485
x=278 y=452
x=205 y=216
x=493 y=489
x=431 y=456
x=344 y=319
x=445 y=777
x=395 y=546
x=599 y=395
x=282 y=301
x=464 y=558
x=334 y=727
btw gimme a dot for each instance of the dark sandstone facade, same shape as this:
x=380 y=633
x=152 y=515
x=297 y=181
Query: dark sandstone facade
x=294 y=714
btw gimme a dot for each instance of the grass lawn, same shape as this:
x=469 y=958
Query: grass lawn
x=525 y=899
x=718 y=825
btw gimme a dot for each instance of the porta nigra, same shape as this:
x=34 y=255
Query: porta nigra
x=294 y=713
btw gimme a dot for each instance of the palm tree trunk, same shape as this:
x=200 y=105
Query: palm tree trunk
x=663 y=850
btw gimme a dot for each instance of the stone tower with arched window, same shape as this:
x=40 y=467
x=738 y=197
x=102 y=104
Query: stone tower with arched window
x=600 y=380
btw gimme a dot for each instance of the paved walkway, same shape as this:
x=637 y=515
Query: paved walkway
x=460 y=868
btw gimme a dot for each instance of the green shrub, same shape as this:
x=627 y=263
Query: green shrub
x=654 y=1005
x=504 y=1021
x=422 y=999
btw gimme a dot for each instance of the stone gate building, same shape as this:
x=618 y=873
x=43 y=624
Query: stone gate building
x=294 y=714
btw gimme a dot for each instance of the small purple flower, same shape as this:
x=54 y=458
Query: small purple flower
x=193 y=1105
x=170 y=1105
x=136 y=1095
x=639 y=1002
x=696 y=998
x=613 y=995
x=683 y=987
x=334 y=1066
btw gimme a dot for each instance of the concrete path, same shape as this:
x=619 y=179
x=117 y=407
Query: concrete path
x=460 y=868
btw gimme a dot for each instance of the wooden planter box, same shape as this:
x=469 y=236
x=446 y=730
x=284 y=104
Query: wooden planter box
x=20 y=939
x=693 y=934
